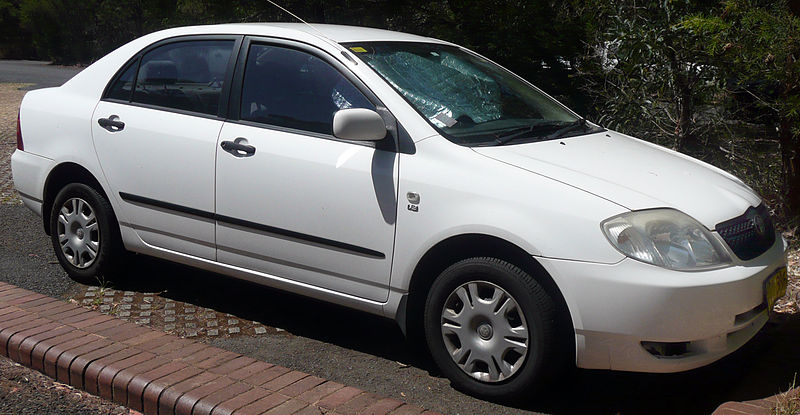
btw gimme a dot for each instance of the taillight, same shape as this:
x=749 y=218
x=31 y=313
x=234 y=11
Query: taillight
x=20 y=146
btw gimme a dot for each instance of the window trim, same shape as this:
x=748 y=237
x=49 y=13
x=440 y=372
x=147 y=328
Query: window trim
x=390 y=143
x=137 y=60
x=398 y=140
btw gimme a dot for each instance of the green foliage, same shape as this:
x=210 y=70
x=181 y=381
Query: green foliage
x=15 y=42
x=648 y=75
x=756 y=43
x=53 y=37
x=522 y=36
x=72 y=31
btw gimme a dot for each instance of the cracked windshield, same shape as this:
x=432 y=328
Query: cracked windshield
x=469 y=99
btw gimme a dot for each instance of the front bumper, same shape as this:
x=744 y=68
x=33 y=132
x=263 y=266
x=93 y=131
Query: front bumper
x=614 y=308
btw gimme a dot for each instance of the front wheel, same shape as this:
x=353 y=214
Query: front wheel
x=84 y=233
x=490 y=328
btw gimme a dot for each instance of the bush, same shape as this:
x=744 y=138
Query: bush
x=16 y=42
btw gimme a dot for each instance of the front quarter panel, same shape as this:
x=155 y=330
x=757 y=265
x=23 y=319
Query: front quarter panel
x=462 y=192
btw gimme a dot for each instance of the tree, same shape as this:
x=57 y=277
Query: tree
x=16 y=43
x=649 y=76
x=73 y=31
x=539 y=40
x=757 y=42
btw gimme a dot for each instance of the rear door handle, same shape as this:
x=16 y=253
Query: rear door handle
x=111 y=123
x=237 y=148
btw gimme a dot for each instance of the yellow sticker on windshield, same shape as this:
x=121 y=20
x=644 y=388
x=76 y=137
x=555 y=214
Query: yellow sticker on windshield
x=358 y=49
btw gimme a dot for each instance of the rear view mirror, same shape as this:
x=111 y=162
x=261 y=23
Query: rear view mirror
x=358 y=124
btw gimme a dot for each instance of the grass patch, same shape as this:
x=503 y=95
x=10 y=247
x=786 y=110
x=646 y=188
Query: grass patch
x=788 y=403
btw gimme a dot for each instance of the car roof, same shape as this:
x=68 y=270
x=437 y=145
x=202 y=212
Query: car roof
x=337 y=33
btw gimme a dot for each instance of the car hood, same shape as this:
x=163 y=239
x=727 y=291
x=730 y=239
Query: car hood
x=634 y=174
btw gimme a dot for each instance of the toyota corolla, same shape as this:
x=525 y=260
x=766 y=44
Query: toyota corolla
x=407 y=177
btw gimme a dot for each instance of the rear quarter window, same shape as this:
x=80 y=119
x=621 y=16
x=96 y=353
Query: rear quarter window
x=122 y=88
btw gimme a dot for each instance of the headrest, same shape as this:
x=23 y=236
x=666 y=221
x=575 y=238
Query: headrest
x=195 y=69
x=159 y=72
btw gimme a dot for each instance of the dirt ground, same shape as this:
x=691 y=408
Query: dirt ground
x=10 y=98
x=24 y=391
x=790 y=303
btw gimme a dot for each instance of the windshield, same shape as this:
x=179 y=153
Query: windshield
x=469 y=99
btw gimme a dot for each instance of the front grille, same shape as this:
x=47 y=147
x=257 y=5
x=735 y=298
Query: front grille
x=749 y=235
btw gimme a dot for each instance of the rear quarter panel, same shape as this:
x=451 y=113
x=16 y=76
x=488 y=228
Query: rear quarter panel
x=56 y=125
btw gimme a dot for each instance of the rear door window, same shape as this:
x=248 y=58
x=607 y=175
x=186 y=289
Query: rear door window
x=186 y=76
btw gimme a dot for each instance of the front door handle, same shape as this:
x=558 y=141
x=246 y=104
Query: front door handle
x=111 y=123
x=237 y=148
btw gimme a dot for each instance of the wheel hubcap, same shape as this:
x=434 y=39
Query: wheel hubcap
x=78 y=233
x=484 y=331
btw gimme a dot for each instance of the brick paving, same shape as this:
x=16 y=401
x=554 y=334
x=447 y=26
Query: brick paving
x=756 y=407
x=160 y=313
x=160 y=373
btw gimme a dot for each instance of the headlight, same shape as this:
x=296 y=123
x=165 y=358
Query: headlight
x=667 y=238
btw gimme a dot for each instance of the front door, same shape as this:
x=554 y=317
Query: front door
x=293 y=201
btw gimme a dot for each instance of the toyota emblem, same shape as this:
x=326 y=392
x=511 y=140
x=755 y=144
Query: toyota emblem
x=758 y=224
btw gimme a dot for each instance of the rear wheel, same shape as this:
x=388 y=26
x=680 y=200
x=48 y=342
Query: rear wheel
x=490 y=328
x=84 y=233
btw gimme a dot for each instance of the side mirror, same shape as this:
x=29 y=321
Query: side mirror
x=358 y=124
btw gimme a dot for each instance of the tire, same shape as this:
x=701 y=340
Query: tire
x=452 y=327
x=87 y=244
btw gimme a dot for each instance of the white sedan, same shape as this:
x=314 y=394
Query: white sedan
x=407 y=177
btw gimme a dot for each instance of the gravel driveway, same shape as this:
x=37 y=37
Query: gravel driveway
x=25 y=391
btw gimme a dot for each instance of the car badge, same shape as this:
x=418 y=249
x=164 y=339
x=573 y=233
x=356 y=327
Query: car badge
x=413 y=201
x=759 y=225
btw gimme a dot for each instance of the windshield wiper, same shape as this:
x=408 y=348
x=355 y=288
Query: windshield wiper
x=512 y=134
x=579 y=123
x=515 y=133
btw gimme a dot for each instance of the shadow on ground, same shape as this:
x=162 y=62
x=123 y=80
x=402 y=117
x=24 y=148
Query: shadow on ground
x=765 y=366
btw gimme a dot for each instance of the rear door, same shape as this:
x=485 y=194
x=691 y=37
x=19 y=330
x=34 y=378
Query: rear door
x=155 y=132
x=303 y=204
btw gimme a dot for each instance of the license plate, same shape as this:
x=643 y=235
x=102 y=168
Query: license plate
x=776 y=287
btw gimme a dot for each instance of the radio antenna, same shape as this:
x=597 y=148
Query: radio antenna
x=298 y=18
x=322 y=35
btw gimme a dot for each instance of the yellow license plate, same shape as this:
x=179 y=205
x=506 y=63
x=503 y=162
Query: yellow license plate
x=776 y=287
